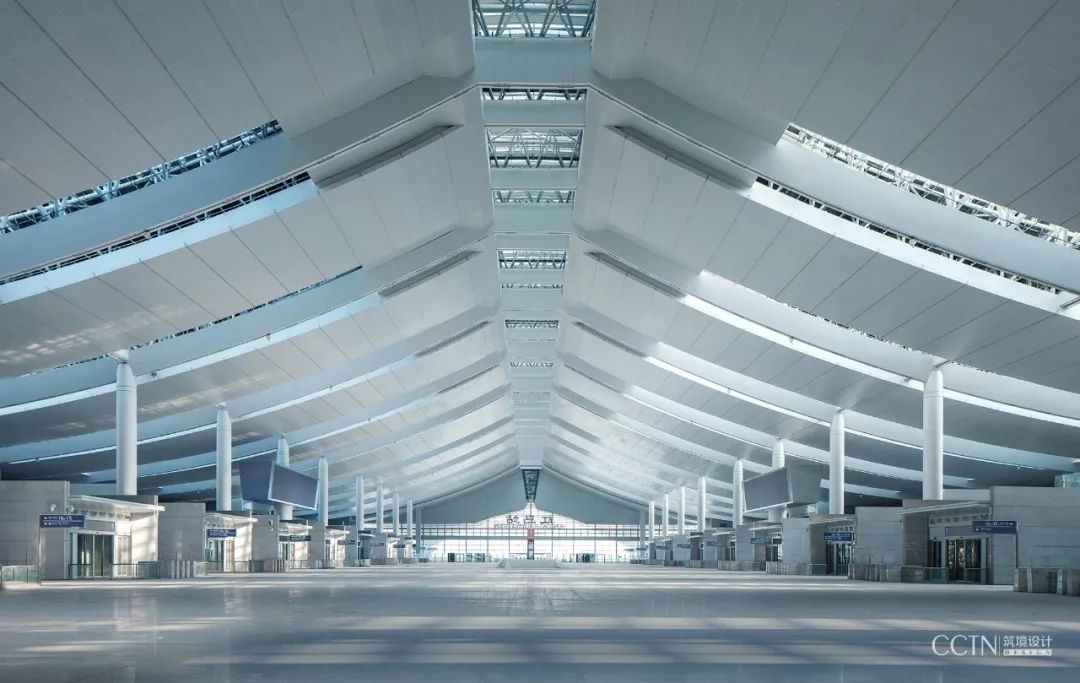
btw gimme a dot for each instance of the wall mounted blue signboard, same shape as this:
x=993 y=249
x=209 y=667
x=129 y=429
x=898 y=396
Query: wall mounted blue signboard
x=994 y=526
x=221 y=533
x=399 y=545
x=840 y=536
x=714 y=544
x=62 y=521
x=346 y=541
x=294 y=538
x=757 y=540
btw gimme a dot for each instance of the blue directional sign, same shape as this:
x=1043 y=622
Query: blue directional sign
x=62 y=521
x=840 y=536
x=294 y=538
x=714 y=544
x=221 y=533
x=994 y=526
x=399 y=546
x=684 y=546
x=346 y=541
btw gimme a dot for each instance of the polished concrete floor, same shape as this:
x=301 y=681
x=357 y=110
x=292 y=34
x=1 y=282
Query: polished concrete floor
x=477 y=623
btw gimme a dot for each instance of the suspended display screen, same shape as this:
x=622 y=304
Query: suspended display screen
x=264 y=481
x=767 y=490
x=255 y=479
x=289 y=486
x=799 y=483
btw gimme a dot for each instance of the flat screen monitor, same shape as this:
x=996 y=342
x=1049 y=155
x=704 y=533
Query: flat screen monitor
x=255 y=479
x=798 y=483
x=767 y=490
x=264 y=481
x=289 y=486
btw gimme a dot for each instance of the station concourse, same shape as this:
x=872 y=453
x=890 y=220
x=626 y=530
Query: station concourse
x=553 y=340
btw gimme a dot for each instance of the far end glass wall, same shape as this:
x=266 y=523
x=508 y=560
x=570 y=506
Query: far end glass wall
x=554 y=537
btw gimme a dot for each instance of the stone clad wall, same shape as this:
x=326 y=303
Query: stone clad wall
x=21 y=503
x=1048 y=524
x=878 y=536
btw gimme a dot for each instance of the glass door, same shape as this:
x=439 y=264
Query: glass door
x=837 y=558
x=93 y=556
x=964 y=559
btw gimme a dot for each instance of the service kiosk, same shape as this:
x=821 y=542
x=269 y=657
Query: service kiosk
x=228 y=541
x=336 y=546
x=680 y=550
x=383 y=550
x=816 y=545
x=364 y=543
x=294 y=544
x=767 y=539
x=664 y=551
x=724 y=538
x=710 y=550
x=118 y=539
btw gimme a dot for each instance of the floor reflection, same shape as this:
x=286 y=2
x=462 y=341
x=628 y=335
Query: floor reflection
x=477 y=623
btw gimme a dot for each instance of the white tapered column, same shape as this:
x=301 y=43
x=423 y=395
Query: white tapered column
x=652 y=520
x=359 y=505
x=380 y=509
x=682 y=510
x=324 y=492
x=397 y=514
x=224 y=459
x=737 y=505
x=778 y=461
x=667 y=515
x=701 y=505
x=410 y=532
x=127 y=431
x=933 y=436
x=836 y=464
x=284 y=510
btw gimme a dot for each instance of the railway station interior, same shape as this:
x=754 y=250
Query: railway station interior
x=539 y=340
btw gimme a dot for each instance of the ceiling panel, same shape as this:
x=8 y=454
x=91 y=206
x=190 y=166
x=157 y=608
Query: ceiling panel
x=752 y=233
x=234 y=262
x=272 y=243
x=319 y=237
x=266 y=44
x=189 y=274
x=185 y=37
x=155 y=294
x=892 y=32
x=864 y=289
x=785 y=258
x=826 y=273
x=904 y=302
x=99 y=39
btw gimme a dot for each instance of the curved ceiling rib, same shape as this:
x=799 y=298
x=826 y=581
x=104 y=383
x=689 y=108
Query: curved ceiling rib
x=803 y=408
x=817 y=337
x=262 y=327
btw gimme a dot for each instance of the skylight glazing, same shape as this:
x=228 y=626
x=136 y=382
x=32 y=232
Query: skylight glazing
x=523 y=324
x=521 y=94
x=129 y=184
x=533 y=18
x=532 y=196
x=528 y=148
x=532 y=285
x=532 y=259
x=931 y=190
